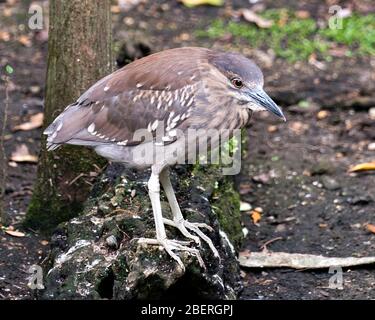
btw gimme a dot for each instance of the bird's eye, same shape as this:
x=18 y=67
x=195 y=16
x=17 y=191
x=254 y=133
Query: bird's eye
x=237 y=82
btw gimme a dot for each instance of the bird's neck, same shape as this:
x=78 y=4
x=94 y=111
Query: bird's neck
x=244 y=115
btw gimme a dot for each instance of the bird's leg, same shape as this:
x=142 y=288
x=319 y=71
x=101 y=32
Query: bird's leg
x=161 y=237
x=178 y=219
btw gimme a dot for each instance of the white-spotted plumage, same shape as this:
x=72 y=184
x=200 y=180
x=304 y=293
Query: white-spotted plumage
x=154 y=125
x=91 y=128
x=122 y=143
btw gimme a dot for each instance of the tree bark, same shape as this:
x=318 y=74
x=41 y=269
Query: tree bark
x=3 y=159
x=79 y=53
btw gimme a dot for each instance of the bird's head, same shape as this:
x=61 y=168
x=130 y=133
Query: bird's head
x=244 y=81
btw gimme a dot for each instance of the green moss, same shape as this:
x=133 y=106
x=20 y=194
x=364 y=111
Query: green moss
x=294 y=38
x=121 y=269
x=224 y=200
x=45 y=215
x=226 y=204
x=55 y=199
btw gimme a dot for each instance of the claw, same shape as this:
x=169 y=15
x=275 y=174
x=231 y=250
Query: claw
x=170 y=245
x=180 y=226
x=183 y=225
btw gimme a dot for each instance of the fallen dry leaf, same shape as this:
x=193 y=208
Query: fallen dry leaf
x=44 y=242
x=126 y=5
x=272 y=128
x=36 y=121
x=7 y=12
x=318 y=64
x=284 y=17
x=115 y=9
x=4 y=36
x=256 y=216
x=17 y=234
x=298 y=127
x=370 y=227
x=25 y=40
x=251 y=16
x=22 y=154
x=194 y=3
x=322 y=114
x=367 y=166
x=245 y=188
x=302 y=14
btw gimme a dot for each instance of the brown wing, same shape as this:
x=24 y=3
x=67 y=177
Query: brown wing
x=158 y=89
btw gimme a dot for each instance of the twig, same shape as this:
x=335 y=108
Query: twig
x=76 y=178
x=297 y=261
x=264 y=245
x=3 y=159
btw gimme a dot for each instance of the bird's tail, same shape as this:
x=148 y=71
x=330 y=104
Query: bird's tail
x=52 y=146
x=60 y=131
x=51 y=132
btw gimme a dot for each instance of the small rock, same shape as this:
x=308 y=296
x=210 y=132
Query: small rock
x=245 y=232
x=103 y=208
x=371 y=113
x=360 y=200
x=111 y=242
x=244 y=206
x=280 y=228
x=262 y=178
x=371 y=146
x=322 y=167
x=322 y=114
x=330 y=183
x=35 y=89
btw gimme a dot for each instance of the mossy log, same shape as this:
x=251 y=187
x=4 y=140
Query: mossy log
x=96 y=255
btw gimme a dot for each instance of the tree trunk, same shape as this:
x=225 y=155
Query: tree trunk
x=79 y=53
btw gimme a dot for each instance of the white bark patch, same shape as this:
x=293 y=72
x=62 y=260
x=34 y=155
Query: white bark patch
x=225 y=237
x=66 y=256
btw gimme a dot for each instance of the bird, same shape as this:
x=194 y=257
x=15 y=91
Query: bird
x=139 y=114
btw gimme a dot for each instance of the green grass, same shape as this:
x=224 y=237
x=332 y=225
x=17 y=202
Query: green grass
x=358 y=33
x=296 y=39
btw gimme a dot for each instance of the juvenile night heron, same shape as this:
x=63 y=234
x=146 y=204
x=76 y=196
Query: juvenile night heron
x=173 y=90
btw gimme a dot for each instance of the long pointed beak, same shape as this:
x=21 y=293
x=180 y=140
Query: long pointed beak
x=264 y=100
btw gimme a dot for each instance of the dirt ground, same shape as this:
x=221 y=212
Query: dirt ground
x=295 y=171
